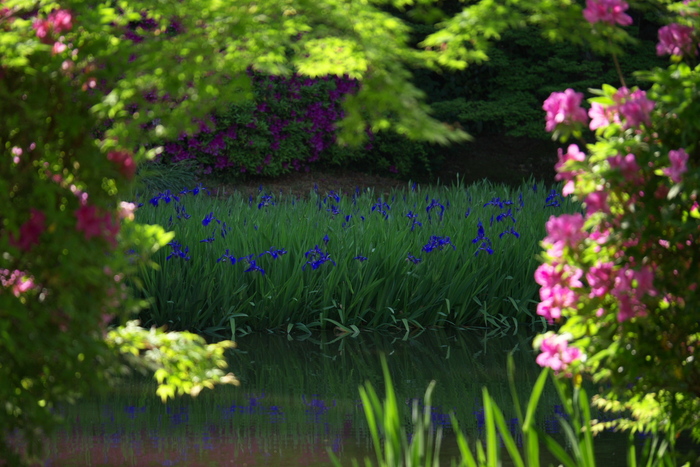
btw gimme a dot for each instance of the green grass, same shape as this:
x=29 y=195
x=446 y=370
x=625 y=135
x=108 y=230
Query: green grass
x=207 y=290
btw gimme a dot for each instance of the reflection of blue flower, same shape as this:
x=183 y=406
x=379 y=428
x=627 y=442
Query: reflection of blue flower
x=437 y=243
x=316 y=257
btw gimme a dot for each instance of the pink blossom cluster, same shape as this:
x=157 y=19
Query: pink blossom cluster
x=30 y=231
x=557 y=282
x=555 y=352
x=629 y=289
x=564 y=108
x=676 y=39
x=631 y=108
x=607 y=11
x=57 y=22
x=94 y=223
x=124 y=161
x=679 y=161
x=18 y=281
x=573 y=153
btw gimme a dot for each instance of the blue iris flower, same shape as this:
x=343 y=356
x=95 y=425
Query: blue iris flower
x=552 y=199
x=360 y=258
x=467 y=212
x=509 y=231
x=316 y=257
x=413 y=259
x=326 y=239
x=227 y=256
x=437 y=243
x=483 y=241
x=266 y=201
x=177 y=251
x=505 y=215
x=414 y=220
x=333 y=210
x=435 y=204
x=254 y=267
x=381 y=207
x=207 y=219
x=181 y=212
x=274 y=252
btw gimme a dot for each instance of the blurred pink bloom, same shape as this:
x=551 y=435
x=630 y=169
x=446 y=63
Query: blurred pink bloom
x=627 y=165
x=600 y=279
x=18 y=281
x=630 y=287
x=61 y=20
x=601 y=115
x=597 y=202
x=679 y=160
x=126 y=210
x=676 y=39
x=124 y=161
x=30 y=231
x=636 y=109
x=565 y=230
x=607 y=11
x=564 y=108
x=556 y=353
x=58 y=21
x=572 y=154
x=95 y=224
x=58 y=47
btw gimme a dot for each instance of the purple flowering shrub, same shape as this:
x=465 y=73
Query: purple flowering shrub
x=289 y=125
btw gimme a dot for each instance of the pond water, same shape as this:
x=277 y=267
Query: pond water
x=299 y=399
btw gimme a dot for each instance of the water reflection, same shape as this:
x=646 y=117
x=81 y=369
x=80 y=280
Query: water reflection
x=299 y=398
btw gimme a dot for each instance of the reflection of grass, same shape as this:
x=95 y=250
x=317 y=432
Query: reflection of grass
x=348 y=262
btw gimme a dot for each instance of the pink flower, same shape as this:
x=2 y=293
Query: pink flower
x=601 y=115
x=597 y=202
x=599 y=279
x=607 y=11
x=627 y=165
x=94 y=224
x=58 y=47
x=675 y=39
x=636 y=109
x=629 y=288
x=679 y=159
x=555 y=351
x=61 y=20
x=565 y=230
x=572 y=154
x=125 y=162
x=58 y=21
x=30 y=231
x=18 y=281
x=564 y=108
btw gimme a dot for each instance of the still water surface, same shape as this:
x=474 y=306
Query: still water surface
x=299 y=399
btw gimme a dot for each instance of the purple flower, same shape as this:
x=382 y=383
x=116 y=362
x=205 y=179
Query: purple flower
x=227 y=256
x=437 y=243
x=413 y=259
x=316 y=257
x=207 y=219
x=360 y=258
